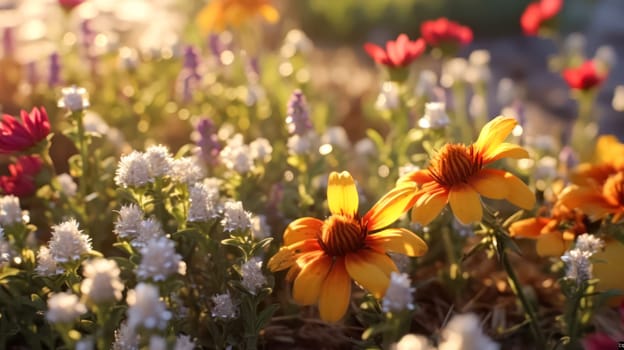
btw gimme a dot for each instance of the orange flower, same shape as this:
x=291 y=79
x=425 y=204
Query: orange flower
x=324 y=256
x=554 y=234
x=457 y=175
x=598 y=201
x=218 y=14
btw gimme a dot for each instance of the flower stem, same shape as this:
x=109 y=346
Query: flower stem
x=82 y=148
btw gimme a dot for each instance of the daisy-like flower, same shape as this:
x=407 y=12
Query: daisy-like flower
x=323 y=257
x=101 y=283
x=219 y=14
x=159 y=260
x=598 y=200
x=445 y=33
x=21 y=178
x=584 y=77
x=64 y=308
x=16 y=136
x=537 y=13
x=74 y=98
x=457 y=175
x=68 y=242
x=398 y=53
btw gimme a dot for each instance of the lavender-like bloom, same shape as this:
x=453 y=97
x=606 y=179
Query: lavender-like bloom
x=54 y=70
x=298 y=118
x=189 y=78
x=208 y=142
x=31 y=73
x=216 y=45
x=8 y=42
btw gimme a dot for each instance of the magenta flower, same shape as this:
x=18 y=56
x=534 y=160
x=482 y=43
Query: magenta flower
x=16 y=136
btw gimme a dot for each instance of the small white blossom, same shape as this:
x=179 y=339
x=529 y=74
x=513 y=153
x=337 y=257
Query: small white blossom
x=133 y=170
x=159 y=260
x=299 y=145
x=67 y=185
x=237 y=157
x=148 y=230
x=253 y=279
x=427 y=82
x=184 y=342
x=101 y=283
x=10 y=210
x=454 y=71
x=203 y=202
x=64 y=308
x=125 y=338
x=478 y=69
x=187 y=170
x=578 y=265
x=74 y=98
x=223 y=306
x=129 y=221
x=435 y=116
x=235 y=217
x=398 y=296
x=146 y=310
x=68 y=242
x=388 y=98
x=589 y=243
x=261 y=150
x=413 y=342
x=259 y=227
x=159 y=160
x=463 y=332
x=46 y=265
x=157 y=343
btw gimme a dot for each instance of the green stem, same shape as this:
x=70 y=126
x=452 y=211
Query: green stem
x=82 y=148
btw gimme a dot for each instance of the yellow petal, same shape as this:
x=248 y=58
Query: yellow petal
x=342 y=195
x=505 y=150
x=301 y=229
x=519 y=193
x=494 y=133
x=269 y=13
x=550 y=244
x=417 y=176
x=490 y=183
x=528 y=228
x=335 y=293
x=368 y=273
x=429 y=205
x=308 y=283
x=390 y=207
x=466 y=204
x=283 y=259
x=608 y=149
x=398 y=240
x=587 y=199
x=608 y=269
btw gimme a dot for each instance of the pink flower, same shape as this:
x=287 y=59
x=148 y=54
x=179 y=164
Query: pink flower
x=584 y=77
x=70 y=4
x=21 y=181
x=399 y=53
x=538 y=12
x=18 y=136
x=442 y=31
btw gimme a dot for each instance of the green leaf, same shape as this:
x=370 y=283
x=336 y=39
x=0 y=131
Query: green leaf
x=265 y=315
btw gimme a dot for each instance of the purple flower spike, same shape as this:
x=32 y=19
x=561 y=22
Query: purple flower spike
x=191 y=58
x=8 y=42
x=54 y=71
x=215 y=44
x=31 y=73
x=298 y=118
x=208 y=142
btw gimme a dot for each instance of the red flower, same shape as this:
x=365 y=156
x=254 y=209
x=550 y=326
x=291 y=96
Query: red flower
x=538 y=12
x=70 y=4
x=442 y=31
x=584 y=77
x=399 y=53
x=17 y=137
x=21 y=182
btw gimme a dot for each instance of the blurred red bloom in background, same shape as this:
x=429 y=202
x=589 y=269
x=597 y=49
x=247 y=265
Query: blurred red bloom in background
x=70 y=4
x=21 y=181
x=538 y=12
x=443 y=31
x=399 y=53
x=584 y=77
x=17 y=137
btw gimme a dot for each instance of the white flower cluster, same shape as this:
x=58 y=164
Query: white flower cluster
x=204 y=202
x=577 y=260
x=303 y=144
x=187 y=170
x=398 y=296
x=435 y=116
x=74 y=98
x=101 y=283
x=223 y=307
x=67 y=185
x=46 y=265
x=125 y=338
x=159 y=260
x=146 y=310
x=260 y=229
x=253 y=279
x=68 y=242
x=64 y=308
x=240 y=157
x=10 y=210
x=132 y=226
x=235 y=217
x=463 y=332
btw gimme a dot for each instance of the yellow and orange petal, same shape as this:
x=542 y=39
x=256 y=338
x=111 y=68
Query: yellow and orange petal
x=390 y=207
x=490 y=143
x=219 y=14
x=342 y=195
x=335 y=292
x=397 y=240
